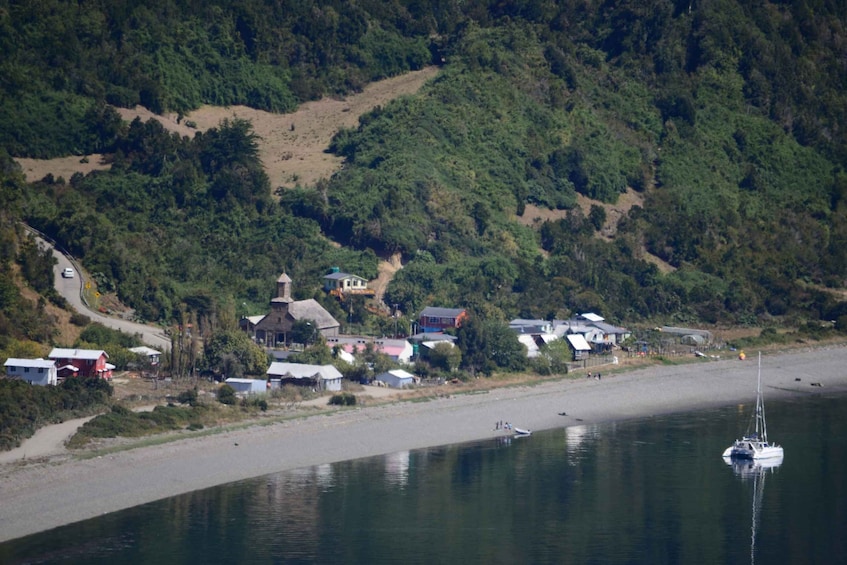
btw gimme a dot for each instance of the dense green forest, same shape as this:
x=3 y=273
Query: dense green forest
x=728 y=117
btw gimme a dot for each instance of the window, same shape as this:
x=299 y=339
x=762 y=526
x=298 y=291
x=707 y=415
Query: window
x=26 y=369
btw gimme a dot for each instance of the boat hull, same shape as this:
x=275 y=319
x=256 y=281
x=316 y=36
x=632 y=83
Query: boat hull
x=750 y=450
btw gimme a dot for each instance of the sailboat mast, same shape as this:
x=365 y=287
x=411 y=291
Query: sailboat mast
x=761 y=426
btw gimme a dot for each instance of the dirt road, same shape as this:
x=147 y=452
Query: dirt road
x=47 y=441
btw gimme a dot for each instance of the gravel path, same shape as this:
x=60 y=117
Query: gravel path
x=40 y=496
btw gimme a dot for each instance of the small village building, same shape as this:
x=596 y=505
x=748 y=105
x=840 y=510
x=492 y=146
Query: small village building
x=434 y=337
x=397 y=378
x=581 y=349
x=534 y=342
x=247 y=386
x=423 y=343
x=398 y=350
x=82 y=363
x=40 y=372
x=273 y=329
x=148 y=354
x=688 y=336
x=596 y=331
x=534 y=327
x=435 y=319
x=338 y=284
x=317 y=377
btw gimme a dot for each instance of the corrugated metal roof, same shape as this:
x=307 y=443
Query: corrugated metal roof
x=578 y=342
x=303 y=371
x=436 y=312
x=401 y=374
x=32 y=363
x=144 y=350
x=592 y=317
x=61 y=353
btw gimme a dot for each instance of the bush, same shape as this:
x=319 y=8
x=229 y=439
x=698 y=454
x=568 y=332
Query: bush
x=188 y=397
x=226 y=395
x=80 y=320
x=343 y=399
x=255 y=402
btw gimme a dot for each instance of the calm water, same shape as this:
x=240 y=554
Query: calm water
x=648 y=491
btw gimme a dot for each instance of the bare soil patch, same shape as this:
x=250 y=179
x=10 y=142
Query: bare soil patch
x=36 y=169
x=386 y=273
x=534 y=216
x=292 y=146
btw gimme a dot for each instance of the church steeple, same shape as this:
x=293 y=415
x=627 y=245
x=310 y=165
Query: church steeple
x=283 y=289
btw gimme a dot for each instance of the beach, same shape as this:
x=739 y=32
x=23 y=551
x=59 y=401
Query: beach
x=38 y=496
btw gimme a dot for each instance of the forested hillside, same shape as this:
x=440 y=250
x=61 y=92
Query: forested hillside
x=728 y=117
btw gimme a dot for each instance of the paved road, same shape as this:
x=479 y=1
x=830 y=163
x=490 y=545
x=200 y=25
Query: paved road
x=71 y=289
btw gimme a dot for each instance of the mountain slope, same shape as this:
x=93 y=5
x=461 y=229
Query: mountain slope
x=726 y=118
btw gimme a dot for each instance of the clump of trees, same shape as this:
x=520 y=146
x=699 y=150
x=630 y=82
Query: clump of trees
x=24 y=408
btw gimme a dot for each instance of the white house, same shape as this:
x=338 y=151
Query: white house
x=320 y=377
x=34 y=371
x=397 y=378
x=151 y=355
x=247 y=386
x=338 y=284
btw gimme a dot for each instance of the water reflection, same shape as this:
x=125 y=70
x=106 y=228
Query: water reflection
x=752 y=469
x=577 y=438
x=755 y=471
x=397 y=468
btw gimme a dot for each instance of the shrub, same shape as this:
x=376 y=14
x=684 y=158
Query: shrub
x=343 y=399
x=255 y=402
x=80 y=320
x=188 y=397
x=226 y=395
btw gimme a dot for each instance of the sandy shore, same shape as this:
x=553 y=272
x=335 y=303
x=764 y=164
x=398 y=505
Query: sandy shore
x=40 y=496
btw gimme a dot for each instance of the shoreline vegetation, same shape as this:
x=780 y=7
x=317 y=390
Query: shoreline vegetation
x=43 y=494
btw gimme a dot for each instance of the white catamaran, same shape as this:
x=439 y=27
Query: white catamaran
x=754 y=445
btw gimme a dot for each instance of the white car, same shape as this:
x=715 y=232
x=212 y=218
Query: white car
x=68 y=273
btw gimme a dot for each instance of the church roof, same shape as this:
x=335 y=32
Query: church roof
x=310 y=309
